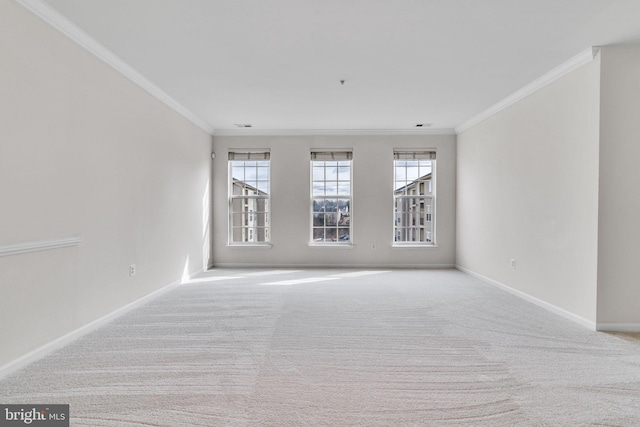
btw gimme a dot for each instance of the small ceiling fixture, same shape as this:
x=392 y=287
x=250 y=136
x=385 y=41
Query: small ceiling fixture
x=242 y=125
x=342 y=82
x=423 y=125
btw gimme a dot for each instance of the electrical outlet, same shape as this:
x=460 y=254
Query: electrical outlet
x=132 y=270
x=513 y=263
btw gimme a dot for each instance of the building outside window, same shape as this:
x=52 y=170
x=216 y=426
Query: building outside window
x=331 y=197
x=249 y=189
x=414 y=198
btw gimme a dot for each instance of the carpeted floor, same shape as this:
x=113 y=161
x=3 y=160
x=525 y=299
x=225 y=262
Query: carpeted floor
x=339 y=348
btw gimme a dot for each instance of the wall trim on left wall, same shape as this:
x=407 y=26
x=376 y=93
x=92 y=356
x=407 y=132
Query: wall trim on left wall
x=41 y=245
x=66 y=27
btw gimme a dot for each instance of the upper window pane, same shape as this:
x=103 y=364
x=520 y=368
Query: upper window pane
x=331 y=172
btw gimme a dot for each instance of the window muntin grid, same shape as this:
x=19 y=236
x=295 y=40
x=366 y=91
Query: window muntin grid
x=414 y=202
x=331 y=201
x=249 y=201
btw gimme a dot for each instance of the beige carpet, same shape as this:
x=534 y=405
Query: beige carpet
x=339 y=348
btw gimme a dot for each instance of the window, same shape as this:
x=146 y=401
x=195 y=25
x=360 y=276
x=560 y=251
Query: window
x=249 y=197
x=414 y=197
x=331 y=197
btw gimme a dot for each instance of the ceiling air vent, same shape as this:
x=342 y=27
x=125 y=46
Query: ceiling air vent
x=242 y=125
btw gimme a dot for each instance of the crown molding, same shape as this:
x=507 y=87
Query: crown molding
x=66 y=27
x=572 y=64
x=333 y=132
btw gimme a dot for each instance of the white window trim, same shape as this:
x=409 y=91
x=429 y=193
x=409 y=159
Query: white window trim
x=419 y=245
x=245 y=155
x=350 y=244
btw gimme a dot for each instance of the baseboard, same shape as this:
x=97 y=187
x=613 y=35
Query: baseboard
x=617 y=327
x=185 y=279
x=540 y=303
x=324 y=266
x=60 y=342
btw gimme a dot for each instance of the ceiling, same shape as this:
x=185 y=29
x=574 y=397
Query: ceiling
x=277 y=64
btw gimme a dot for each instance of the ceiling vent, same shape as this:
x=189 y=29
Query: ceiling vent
x=424 y=125
x=242 y=125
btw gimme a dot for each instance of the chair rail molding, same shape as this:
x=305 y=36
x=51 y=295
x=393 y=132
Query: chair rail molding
x=41 y=245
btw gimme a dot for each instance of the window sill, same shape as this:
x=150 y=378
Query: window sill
x=250 y=245
x=332 y=245
x=413 y=246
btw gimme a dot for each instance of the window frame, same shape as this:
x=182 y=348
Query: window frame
x=429 y=214
x=336 y=156
x=246 y=227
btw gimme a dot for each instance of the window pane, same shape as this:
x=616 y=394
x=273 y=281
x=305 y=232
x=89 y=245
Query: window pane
x=331 y=188
x=344 y=189
x=318 y=189
x=263 y=173
x=250 y=174
x=263 y=188
x=238 y=172
x=344 y=173
x=318 y=206
x=237 y=220
x=318 y=219
x=331 y=173
x=331 y=218
x=262 y=234
x=343 y=234
x=260 y=219
x=421 y=187
x=318 y=173
x=412 y=173
x=425 y=168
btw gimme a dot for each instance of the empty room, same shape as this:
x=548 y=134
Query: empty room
x=323 y=213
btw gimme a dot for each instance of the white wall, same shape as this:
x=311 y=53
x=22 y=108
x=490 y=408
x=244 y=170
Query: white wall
x=86 y=153
x=528 y=190
x=372 y=210
x=619 y=208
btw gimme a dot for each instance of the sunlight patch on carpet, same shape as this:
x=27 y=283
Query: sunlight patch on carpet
x=361 y=273
x=299 y=281
x=209 y=279
x=270 y=273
